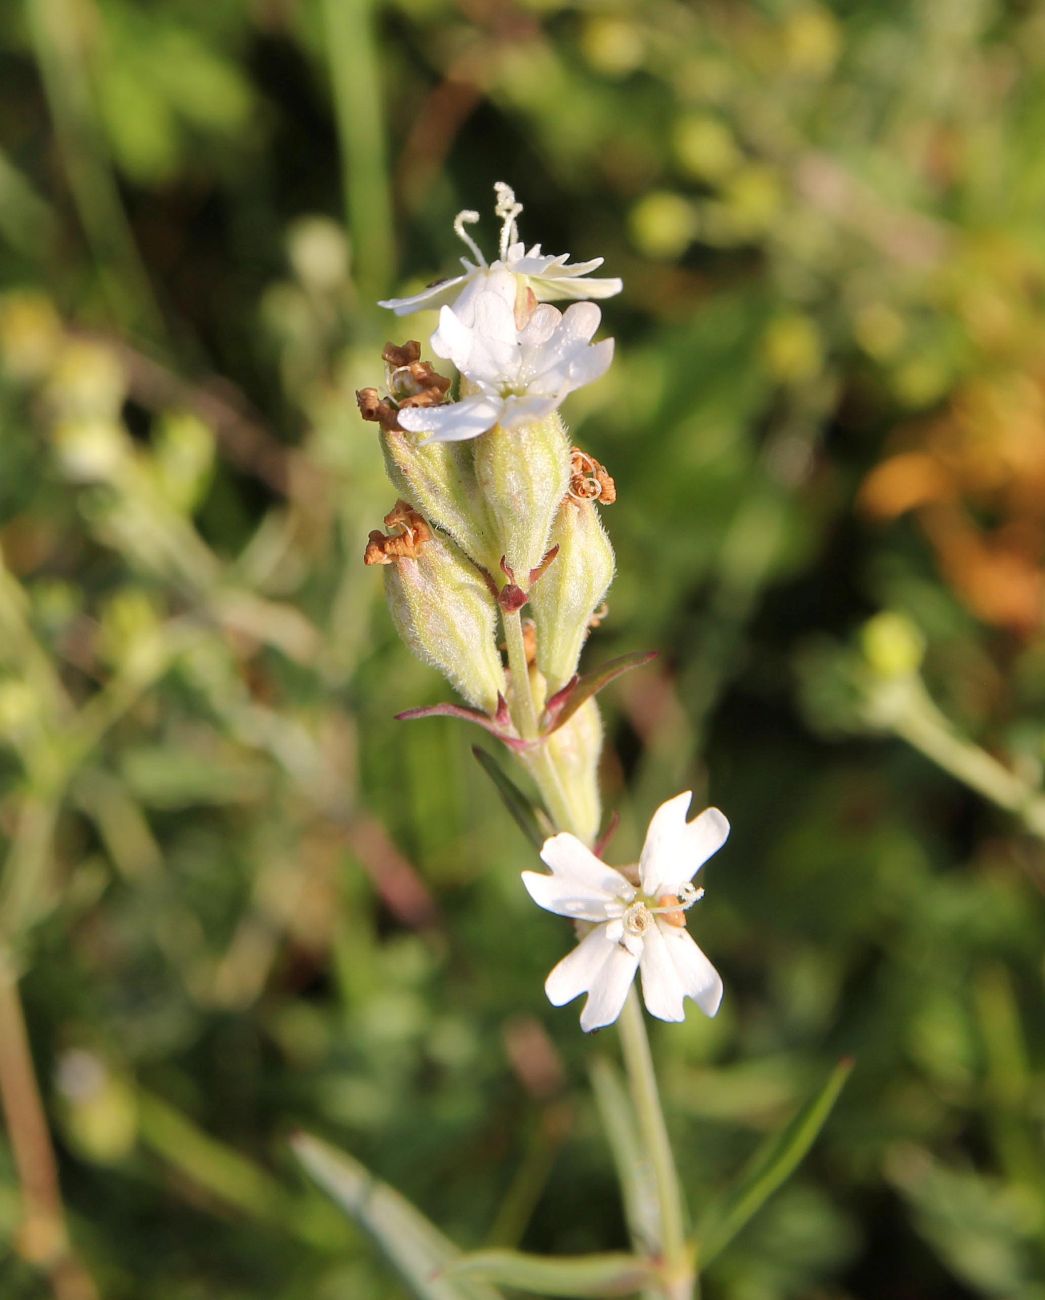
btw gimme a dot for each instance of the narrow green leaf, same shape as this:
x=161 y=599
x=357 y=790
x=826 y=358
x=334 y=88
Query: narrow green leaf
x=513 y=798
x=634 y=1171
x=583 y=1275
x=414 y=1246
x=775 y=1160
x=591 y=683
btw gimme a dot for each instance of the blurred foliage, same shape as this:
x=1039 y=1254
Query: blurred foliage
x=243 y=899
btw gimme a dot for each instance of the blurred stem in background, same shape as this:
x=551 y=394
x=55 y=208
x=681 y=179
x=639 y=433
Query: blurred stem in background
x=43 y=1238
x=897 y=700
x=59 y=31
x=360 y=124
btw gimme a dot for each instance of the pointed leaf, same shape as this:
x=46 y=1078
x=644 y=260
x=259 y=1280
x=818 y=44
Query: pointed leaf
x=580 y=691
x=600 y=1276
x=634 y=1170
x=513 y=798
x=499 y=725
x=414 y=1246
x=775 y=1160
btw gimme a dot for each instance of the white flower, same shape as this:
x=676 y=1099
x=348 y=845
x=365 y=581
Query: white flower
x=514 y=376
x=548 y=277
x=633 y=928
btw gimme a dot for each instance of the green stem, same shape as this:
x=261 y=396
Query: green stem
x=679 y=1281
x=539 y=761
x=43 y=1238
x=58 y=29
x=360 y=124
x=914 y=717
x=524 y=707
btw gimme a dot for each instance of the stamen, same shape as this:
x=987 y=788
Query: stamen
x=682 y=901
x=508 y=208
x=690 y=894
x=469 y=218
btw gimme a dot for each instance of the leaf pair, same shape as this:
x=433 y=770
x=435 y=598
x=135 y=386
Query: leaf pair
x=435 y=1270
x=557 y=712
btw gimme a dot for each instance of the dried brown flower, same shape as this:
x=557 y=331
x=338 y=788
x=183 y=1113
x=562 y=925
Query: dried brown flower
x=403 y=355
x=589 y=480
x=372 y=406
x=406 y=540
x=411 y=382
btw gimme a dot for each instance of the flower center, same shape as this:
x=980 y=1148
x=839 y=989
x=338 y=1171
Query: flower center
x=638 y=918
x=672 y=907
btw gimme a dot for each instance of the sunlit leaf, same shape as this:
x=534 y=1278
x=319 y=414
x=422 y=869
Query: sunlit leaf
x=587 y=1275
x=414 y=1246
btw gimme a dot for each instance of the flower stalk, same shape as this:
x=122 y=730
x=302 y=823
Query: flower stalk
x=679 y=1275
x=499 y=513
x=43 y=1238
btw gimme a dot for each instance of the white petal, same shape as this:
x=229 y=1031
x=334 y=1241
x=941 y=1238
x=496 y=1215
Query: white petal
x=565 y=286
x=676 y=849
x=534 y=263
x=609 y=990
x=564 y=896
x=541 y=326
x=587 y=366
x=581 y=321
x=434 y=296
x=662 y=989
x=567 y=361
x=526 y=410
x=571 y=860
x=453 y=421
x=453 y=339
x=579 y=969
x=599 y=967
x=698 y=978
x=495 y=341
x=554 y=277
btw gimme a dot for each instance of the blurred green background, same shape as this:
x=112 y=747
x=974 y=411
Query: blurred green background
x=242 y=899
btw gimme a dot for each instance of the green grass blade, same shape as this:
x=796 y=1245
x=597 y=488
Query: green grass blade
x=415 y=1247
x=600 y=1276
x=634 y=1172
x=770 y=1166
x=514 y=800
x=355 y=72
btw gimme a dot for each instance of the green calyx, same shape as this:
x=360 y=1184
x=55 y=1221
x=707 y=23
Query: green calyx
x=571 y=589
x=439 y=477
x=523 y=474
x=443 y=610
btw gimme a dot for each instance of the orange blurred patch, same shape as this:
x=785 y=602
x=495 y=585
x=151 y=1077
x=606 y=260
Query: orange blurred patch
x=974 y=477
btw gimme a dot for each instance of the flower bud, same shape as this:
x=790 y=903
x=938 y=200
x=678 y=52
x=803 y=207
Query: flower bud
x=523 y=474
x=571 y=589
x=439 y=477
x=440 y=605
x=575 y=749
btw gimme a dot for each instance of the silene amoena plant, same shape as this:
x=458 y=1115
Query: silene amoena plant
x=496 y=565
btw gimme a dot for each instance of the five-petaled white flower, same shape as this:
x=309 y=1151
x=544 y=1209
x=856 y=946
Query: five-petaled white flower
x=633 y=927
x=548 y=277
x=513 y=376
